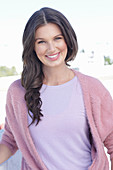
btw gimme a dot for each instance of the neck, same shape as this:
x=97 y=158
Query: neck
x=57 y=76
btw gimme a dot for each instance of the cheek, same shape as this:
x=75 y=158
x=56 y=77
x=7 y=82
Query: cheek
x=40 y=51
x=63 y=46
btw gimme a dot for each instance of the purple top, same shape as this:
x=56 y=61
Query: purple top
x=62 y=137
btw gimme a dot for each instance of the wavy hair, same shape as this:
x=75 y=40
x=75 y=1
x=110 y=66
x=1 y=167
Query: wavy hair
x=32 y=74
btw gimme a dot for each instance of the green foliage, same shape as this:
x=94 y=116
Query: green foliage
x=107 y=60
x=5 y=71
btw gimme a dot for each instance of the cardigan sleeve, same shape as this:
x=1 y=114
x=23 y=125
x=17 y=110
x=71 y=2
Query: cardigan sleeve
x=109 y=144
x=8 y=137
x=107 y=109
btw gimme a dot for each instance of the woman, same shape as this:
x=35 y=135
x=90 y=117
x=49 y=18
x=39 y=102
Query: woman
x=57 y=117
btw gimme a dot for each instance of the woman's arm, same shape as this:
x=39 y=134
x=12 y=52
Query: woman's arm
x=5 y=153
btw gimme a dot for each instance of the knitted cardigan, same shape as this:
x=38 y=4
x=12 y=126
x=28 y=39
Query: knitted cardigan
x=99 y=108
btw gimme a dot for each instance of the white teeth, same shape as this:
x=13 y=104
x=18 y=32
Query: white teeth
x=52 y=56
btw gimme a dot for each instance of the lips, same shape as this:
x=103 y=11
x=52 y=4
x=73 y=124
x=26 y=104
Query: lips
x=53 y=56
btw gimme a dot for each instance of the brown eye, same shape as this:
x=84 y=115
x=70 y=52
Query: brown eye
x=41 y=42
x=58 y=38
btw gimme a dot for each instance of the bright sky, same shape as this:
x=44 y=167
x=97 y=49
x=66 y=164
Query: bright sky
x=92 y=21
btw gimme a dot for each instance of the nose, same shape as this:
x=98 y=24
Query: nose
x=51 y=47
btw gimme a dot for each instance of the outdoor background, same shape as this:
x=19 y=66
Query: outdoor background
x=92 y=21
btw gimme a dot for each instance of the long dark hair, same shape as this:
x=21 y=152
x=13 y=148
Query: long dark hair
x=32 y=75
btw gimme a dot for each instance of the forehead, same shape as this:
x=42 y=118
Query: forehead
x=49 y=29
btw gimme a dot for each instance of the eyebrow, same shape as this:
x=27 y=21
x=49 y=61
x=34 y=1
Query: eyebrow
x=43 y=38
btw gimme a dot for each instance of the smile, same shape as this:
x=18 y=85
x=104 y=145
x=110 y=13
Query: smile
x=53 y=57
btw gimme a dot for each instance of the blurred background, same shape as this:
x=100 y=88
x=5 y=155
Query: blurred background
x=92 y=22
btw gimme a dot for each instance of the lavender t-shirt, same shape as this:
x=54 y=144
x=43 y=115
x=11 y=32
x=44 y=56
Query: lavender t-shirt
x=62 y=137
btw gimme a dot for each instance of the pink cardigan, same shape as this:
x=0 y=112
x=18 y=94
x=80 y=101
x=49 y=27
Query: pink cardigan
x=99 y=108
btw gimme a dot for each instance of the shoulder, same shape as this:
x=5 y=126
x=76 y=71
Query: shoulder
x=92 y=81
x=16 y=85
x=16 y=88
x=87 y=79
x=93 y=85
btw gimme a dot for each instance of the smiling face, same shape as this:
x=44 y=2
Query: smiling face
x=50 y=46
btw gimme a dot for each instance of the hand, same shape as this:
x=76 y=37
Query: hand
x=1 y=126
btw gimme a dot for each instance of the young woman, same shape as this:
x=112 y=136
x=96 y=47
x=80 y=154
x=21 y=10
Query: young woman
x=57 y=117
